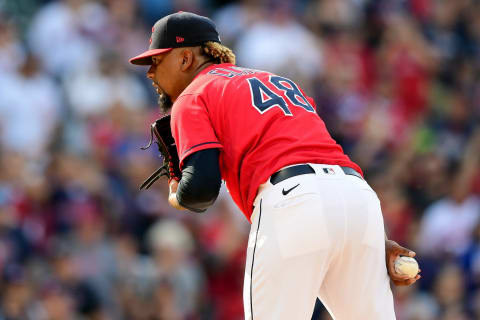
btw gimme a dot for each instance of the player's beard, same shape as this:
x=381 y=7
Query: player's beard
x=164 y=102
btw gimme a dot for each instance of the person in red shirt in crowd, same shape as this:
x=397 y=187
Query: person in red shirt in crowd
x=317 y=227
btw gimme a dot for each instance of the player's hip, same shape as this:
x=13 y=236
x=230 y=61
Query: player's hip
x=323 y=205
x=292 y=181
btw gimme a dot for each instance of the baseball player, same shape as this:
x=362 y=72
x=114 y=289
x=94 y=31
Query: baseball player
x=316 y=225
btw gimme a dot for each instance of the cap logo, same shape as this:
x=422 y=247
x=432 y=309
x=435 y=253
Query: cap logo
x=179 y=39
x=153 y=29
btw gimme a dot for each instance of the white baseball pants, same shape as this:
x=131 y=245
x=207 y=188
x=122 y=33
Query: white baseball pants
x=324 y=239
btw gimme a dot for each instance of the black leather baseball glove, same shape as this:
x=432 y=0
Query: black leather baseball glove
x=168 y=150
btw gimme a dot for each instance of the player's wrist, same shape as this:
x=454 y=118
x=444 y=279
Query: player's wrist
x=172 y=197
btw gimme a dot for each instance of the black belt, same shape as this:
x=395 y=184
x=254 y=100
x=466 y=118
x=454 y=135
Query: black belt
x=289 y=172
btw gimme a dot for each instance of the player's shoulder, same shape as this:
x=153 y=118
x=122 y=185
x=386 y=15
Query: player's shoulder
x=228 y=71
x=216 y=77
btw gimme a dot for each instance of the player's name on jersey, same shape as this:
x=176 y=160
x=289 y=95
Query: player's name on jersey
x=232 y=71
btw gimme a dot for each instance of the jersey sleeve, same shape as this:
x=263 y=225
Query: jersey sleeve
x=191 y=126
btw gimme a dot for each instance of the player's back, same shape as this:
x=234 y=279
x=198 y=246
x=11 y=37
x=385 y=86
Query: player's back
x=264 y=122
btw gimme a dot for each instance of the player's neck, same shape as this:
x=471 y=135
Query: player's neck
x=201 y=66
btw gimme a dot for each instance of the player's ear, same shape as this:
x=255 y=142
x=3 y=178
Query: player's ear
x=187 y=58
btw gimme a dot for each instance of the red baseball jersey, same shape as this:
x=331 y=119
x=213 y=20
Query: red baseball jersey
x=261 y=122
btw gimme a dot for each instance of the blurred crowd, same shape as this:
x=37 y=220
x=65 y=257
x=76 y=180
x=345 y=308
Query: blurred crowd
x=396 y=81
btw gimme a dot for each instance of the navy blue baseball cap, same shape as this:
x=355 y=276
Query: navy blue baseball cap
x=181 y=29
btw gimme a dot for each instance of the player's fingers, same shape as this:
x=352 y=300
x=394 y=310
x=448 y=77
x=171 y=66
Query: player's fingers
x=398 y=277
x=413 y=280
x=398 y=249
x=394 y=249
x=406 y=282
x=391 y=266
x=400 y=283
x=394 y=276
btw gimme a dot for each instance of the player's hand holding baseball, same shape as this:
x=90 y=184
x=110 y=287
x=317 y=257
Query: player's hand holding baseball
x=393 y=251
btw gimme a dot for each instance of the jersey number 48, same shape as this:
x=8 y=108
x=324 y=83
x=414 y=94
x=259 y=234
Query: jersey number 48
x=287 y=93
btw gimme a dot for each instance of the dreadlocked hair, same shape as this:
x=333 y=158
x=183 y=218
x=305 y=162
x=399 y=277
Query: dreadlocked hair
x=218 y=52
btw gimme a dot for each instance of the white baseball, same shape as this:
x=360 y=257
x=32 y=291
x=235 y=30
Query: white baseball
x=406 y=266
